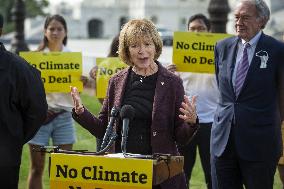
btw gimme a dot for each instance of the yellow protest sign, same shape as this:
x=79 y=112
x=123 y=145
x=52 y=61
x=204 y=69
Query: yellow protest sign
x=59 y=70
x=73 y=171
x=194 y=52
x=107 y=67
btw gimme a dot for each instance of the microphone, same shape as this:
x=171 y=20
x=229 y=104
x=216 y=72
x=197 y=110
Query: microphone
x=127 y=113
x=113 y=114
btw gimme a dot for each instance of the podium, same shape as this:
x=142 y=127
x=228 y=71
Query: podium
x=111 y=171
x=166 y=169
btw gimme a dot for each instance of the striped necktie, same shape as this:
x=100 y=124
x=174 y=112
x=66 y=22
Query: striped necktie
x=242 y=70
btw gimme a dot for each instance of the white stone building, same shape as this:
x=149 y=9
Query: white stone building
x=104 y=18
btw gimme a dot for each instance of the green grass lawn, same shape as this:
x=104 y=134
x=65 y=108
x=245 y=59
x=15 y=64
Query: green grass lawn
x=86 y=141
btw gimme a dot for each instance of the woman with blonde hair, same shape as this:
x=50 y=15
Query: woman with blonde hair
x=162 y=115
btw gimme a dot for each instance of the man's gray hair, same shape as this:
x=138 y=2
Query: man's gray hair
x=262 y=10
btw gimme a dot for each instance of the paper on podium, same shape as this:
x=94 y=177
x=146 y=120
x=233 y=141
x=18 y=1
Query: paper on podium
x=117 y=155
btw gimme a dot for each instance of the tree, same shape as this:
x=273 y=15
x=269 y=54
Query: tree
x=33 y=8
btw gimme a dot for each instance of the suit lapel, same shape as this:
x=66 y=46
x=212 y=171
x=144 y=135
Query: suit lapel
x=232 y=54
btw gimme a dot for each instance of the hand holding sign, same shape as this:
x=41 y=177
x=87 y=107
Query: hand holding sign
x=172 y=68
x=93 y=72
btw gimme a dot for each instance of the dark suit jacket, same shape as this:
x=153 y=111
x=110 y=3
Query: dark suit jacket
x=167 y=128
x=22 y=106
x=258 y=110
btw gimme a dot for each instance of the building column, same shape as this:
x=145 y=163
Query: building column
x=218 y=13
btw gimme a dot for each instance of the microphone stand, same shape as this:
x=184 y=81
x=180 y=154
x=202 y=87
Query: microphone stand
x=109 y=129
x=123 y=144
x=56 y=149
x=110 y=135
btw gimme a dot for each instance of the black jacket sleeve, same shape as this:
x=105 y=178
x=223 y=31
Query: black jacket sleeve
x=32 y=100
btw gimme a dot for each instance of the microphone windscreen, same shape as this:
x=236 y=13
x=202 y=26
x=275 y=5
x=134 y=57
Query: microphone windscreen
x=127 y=111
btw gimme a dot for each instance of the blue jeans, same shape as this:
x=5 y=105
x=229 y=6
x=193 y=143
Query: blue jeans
x=61 y=130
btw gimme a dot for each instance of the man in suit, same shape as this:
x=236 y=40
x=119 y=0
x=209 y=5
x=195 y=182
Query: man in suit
x=22 y=108
x=245 y=136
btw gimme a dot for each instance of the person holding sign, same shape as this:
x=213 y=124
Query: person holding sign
x=23 y=109
x=205 y=87
x=59 y=124
x=246 y=136
x=163 y=116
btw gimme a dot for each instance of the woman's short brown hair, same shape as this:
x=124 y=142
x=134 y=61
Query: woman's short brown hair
x=132 y=31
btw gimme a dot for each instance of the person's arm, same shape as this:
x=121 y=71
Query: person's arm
x=32 y=99
x=95 y=125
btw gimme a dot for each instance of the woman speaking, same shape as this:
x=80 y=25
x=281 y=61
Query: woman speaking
x=163 y=116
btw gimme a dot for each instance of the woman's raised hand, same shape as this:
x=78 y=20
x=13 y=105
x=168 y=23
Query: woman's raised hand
x=188 y=108
x=78 y=106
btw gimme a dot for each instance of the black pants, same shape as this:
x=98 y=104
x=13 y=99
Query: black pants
x=201 y=141
x=9 y=177
x=233 y=172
